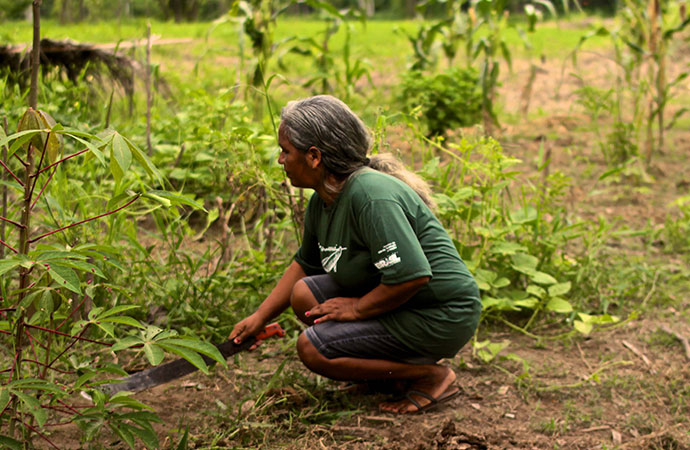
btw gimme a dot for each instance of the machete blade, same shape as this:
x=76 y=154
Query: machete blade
x=173 y=370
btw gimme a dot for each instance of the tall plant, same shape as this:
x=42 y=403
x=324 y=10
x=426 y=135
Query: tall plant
x=56 y=302
x=642 y=38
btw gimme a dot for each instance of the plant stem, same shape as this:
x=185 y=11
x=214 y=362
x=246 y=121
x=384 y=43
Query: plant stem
x=35 y=54
x=84 y=221
x=148 y=89
x=21 y=183
x=4 y=192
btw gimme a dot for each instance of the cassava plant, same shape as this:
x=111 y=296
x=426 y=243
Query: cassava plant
x=56 y=302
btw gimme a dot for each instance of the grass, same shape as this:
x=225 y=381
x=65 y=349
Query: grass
x=377 y=39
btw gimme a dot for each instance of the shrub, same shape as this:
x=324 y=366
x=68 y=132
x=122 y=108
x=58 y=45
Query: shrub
x=445 y=100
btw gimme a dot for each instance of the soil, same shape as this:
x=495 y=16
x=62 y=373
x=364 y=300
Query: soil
x=627 y=387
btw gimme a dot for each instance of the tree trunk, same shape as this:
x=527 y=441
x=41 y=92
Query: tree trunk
x=410 y=6
x=65 y=15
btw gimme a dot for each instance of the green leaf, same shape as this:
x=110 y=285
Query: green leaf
x=582 y=327
x=144 y=161
x=559 y=305
x=559 y=289
x=126 y=342
x=524 y=215
x=147 y=436
x=115 y=310
x=65 y=277
x=153 y=353
x=182 y=445
x=120 y=156
x=507 y=248
x=542 y=277
x=6 y=441
x=523 y=261
x=96 y=152
x=194 y=358
x=528 y=303
x=4 y=395
x=45 y=302
x=8 y=264
x=121 y=429
x=501 y=282
x=124 y=320
x=124 y=398
x=84 y=378
x=198 y=346
x=33 y=407
x=177 y=199
x=537 y=291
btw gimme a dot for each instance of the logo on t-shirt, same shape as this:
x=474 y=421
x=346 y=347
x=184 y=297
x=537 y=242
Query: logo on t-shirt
x=390 y=259
x=333 y=254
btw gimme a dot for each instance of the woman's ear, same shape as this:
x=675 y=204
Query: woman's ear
x=313 y=157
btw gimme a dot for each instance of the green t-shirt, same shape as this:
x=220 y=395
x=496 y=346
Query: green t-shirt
x=379 y=230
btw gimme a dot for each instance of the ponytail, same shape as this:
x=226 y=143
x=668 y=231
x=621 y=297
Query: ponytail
x=387 y=163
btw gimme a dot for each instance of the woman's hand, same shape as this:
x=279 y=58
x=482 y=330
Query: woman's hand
x=340 y=309
x=250 y=326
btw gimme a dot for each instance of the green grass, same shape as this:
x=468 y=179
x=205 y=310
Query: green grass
x=377 y=39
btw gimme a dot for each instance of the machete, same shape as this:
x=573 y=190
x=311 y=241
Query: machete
x=180 y=367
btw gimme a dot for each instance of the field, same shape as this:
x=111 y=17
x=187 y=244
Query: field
x=575 y=222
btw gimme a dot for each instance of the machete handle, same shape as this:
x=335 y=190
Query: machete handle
x=272 y=329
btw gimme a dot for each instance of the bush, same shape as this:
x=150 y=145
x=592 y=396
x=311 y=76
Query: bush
x=446 y=100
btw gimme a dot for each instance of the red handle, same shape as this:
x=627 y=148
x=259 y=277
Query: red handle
x=272 y=329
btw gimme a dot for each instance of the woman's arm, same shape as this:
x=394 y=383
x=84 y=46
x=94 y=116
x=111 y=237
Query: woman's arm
x=276 y=302
x=380 y=300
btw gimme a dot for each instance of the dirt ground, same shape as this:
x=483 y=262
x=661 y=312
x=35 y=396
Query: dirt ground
x=624 y=388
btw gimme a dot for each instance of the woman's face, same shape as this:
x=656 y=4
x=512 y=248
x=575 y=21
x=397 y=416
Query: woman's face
x=302 y=168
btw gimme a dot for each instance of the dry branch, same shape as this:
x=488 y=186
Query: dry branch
x=683 y=340
x=72 y=59
x=637 y=352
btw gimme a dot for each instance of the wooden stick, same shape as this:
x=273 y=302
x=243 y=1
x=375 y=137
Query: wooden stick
x=641 y=355
x=683 y=340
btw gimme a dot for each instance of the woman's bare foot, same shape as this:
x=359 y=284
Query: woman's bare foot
x=437 y=385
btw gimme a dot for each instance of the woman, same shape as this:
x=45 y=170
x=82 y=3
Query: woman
x=377 y=278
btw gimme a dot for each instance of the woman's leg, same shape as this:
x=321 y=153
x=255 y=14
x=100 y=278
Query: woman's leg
x=431 y=379
x=302 y=300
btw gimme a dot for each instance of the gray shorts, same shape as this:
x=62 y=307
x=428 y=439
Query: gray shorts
x=367 y=339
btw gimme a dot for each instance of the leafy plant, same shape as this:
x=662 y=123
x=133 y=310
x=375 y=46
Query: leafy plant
x=50 y=282
x=444 y=100
x=641 y=39
x=334 y=75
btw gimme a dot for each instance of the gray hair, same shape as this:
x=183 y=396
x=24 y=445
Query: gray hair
x=328 y=124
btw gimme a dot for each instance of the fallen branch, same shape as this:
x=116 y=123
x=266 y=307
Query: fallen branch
x=683 y=340
x=641 y=355
x=639 y=442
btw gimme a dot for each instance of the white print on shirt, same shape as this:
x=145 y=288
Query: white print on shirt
x=388 y=261
x=388 y=247
x=330 y=262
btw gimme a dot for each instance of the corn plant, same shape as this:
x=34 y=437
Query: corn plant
x=641 y=41
x=256 y=20
x=337 y=76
